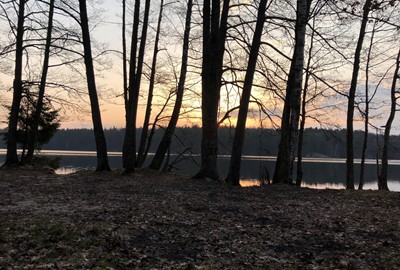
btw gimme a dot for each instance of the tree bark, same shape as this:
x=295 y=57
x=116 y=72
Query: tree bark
x=101 y=146
x=145 y=130
x=291 y=112
x=214 y=35
x=12 y=156
x=366 y=115
x=134 y=88
x=124 y=60
x=129 y=144
x=382 y=179
x=299 y=174
x=169 y=132
x=42 y=87
x=351 y=99
x=233 y=177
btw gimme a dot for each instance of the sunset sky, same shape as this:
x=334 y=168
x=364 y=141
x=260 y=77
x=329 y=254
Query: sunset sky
x=110 y=83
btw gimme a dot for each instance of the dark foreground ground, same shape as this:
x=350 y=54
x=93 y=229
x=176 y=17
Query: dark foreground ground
x=160 y=221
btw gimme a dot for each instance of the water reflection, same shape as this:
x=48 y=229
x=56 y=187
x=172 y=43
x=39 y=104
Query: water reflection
x=67 y=170
x=250 y=183
x=393 y=185
x=318 y=173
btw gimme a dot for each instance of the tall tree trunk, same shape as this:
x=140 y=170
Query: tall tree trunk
x=169 y=132
x=214 y=35
x=42 y=87
x=134 y=98
x=299 y=174
x=129 y=144
x=366 y=115
x=351 y=99
x=233 y=177
x=101 y=146
x=291 y=112
x=145 y=130
x=11 y=156
x=124 y=60
x=382 y=179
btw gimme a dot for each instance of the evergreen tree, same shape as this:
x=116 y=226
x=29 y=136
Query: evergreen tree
x=48 y=122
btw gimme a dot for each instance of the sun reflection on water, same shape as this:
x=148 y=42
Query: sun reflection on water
x=393 y=185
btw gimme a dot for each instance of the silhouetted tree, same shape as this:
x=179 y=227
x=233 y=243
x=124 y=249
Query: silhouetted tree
x=351 y=98
x=101 y=146
x=169 y=132
x=145 y=130
x=382 y=179
x=299 y=174
x=233 y=177
x=11 y=156
x=214 y=35
x=46 y=124
x=124 y=60
x=42 y=86
x=135 y=75
x=291 y=111
x=129 y=147
x=366 y=113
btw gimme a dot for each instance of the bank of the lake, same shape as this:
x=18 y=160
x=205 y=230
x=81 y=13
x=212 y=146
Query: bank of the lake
x=317 y=172
x=162 y=221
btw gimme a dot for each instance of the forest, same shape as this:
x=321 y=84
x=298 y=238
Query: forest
x=232 y=67
x=258 y=142
x=283 y=78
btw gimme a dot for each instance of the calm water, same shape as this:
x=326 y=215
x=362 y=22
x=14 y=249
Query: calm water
x=318 y=172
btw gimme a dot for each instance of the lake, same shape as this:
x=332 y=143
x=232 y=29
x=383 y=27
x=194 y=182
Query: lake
x=318 y=172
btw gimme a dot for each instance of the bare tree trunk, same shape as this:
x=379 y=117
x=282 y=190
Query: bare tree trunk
x=124 y=60
x=128 y=143
x=291 y=113
x=134 y=90
x=154 y=125
x=233 y=177
x=299 y=174
x=169 y=132
x=351 y=99
x=366 y=116
x=42 y=88
x=365 y=142
x=11 y=156
x=281 y=173
x=382 y=179
x=101 y=146
x=145 y=130
x=378 y=152
x=214 y=35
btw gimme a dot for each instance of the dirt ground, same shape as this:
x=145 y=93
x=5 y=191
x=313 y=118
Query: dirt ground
x=153 y=220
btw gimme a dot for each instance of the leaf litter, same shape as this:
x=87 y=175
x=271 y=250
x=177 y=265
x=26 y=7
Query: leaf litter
x=154 y=220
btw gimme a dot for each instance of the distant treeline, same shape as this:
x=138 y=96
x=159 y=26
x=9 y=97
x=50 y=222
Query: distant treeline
x=317 y=142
